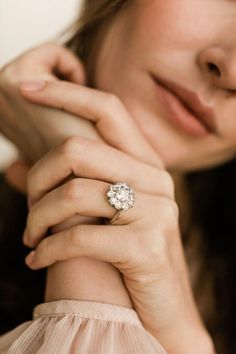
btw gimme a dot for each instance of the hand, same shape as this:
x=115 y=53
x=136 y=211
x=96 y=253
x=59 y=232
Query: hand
x=35 y=129
x=148 y=249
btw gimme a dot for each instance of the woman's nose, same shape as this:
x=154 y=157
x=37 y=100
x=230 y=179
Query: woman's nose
x=219 y=66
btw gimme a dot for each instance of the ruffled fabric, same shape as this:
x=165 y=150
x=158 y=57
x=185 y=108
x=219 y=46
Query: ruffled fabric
x=80 y=327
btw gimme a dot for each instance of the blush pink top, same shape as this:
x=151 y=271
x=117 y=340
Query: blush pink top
x=80 y=327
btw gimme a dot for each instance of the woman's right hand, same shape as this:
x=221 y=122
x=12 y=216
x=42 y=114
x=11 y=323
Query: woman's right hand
x=35 y=129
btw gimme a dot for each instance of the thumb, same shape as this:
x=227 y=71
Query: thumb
x=16 y=175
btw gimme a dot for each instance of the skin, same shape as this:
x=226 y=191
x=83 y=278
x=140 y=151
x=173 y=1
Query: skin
x=39 y=132
x=154 y=266
x=191 y=39
x=193 y=33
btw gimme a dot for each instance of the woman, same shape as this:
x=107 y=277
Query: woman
x=203 y=77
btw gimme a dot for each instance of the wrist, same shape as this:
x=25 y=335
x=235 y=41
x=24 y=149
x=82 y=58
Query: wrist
x=186 y=339
x=86 y=279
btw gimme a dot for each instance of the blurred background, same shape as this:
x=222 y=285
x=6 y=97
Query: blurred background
x=24 y=24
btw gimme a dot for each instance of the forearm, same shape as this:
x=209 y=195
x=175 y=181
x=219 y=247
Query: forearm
x=88 y=280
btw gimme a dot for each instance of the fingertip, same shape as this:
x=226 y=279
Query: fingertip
x=30 y=258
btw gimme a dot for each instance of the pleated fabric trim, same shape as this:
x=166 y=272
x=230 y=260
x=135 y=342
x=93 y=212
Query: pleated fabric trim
x=80 y=327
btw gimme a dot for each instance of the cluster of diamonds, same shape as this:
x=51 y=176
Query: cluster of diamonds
x=121 y=196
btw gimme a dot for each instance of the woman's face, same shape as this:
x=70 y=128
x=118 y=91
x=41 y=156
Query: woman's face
x=187 y=45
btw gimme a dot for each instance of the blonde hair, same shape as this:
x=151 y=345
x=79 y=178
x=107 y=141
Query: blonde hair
x=94 y=13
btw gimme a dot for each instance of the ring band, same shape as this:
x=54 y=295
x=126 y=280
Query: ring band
x=112 y=221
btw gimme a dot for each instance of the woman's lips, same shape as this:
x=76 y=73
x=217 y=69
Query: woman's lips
x=179 y=112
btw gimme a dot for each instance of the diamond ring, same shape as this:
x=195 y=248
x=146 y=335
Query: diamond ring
x=121 y=197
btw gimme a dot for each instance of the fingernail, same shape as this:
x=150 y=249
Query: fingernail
x=29 y=259
x=32 y=85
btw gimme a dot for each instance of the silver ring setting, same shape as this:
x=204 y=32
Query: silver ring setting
x=121 y=196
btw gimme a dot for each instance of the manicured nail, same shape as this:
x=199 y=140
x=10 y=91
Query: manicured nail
x=29 y=259
x=32 y=85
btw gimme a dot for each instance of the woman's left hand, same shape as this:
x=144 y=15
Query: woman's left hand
x=144 y=243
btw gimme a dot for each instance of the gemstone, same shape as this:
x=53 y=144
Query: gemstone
x=121 y=196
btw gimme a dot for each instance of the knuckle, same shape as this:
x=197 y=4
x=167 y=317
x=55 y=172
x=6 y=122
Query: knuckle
x=75 y=239
x=170 y=213
x=72 y=189
x=114 y=101
x=156 y=250
x=156 y=246
x=12 y=73
x=149 y=252
x=160 y=248
x=70 y=145
x=139 y=254
x=174 y=209
x=74 y=149
x=139 y=251
x=168 y=184
x=167 y=212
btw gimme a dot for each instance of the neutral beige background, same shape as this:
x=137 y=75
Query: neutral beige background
x=25 y=23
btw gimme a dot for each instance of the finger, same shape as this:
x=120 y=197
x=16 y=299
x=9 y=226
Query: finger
x=62 y=61
x=67 y=65
x=52 y=60
x=105 y=110
x=86 y=158
x=95 y=241
x=85 y=197
x=16 y=175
